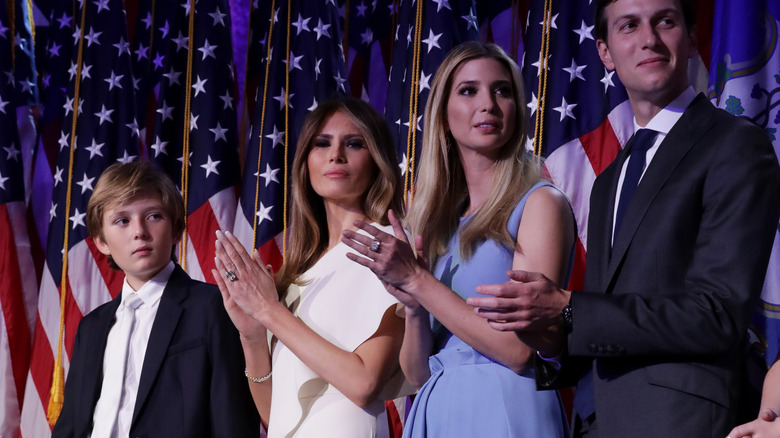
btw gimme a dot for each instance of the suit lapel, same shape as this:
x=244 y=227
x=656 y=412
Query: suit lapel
x=683 y=136
x=163 y=328
x=600 y=223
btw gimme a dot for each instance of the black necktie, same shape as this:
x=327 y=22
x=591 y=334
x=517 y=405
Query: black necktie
x=642 y=141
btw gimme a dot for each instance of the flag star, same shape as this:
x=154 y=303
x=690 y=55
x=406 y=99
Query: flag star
x=361 y=9
x=317 y=69
x=12 y=79
x=340 y=81
x=269 y=175
x=166 y=111
x=86 y=183
x=173 y=76
x=186 y=6
x=57 y=175
x=227 y=99
x=193 y=121
x=207 y=50
x=101 y=5
x=68 y=107
x=296 y=61
x=159 y=146
x=442 y=4
x=95 y=149
x=148 y=20
x=2 y=181
x=52 y=211
x=471 y=20
x=158 y=61
x=432 y=40
x=584 y=32
x=85 y=72
x=93 y=37
x=218 y=17
x=113 y=81
x=607 y=79
x=64 y=21
x=552 y=22
x=125 y=158
x=133 y=126
x=136 y=81
x=13 y=152
x=26 y=85
x=46 y=79
x=3 y=105
x=409 y=36
x=282 y=100
x=276 y=136
x=198 y=86
x=322 y=29
x=142 y=52
x=219 y=133
x=538 y=64
x=104 y=115
x=189 y=161
x=565 y=109
x=76 y=34
x=181 y=41
x=122 y=46
x=575 y=71
x=63 y=141
x=263 y=213
x=301 y=24
x=78 y=218
x=533 y=104
x=367 y=37
x=313 y=105
x=425 y=81
x=54 y=50
x=210 y=166
x=417 y=125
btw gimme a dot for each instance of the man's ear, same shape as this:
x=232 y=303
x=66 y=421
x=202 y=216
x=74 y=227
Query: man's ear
x=101 y=245
x=606 y=57
x=694 y=47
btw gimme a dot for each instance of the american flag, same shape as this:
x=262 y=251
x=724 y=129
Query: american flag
x=745 y=81
x=99 y=129
x=311 y=70
x=18 y=292
x=188 y=86
x=427 y=30
x=584 y=117
x=368 y=43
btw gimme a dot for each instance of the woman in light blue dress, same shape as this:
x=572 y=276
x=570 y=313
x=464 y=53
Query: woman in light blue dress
x=480 y=209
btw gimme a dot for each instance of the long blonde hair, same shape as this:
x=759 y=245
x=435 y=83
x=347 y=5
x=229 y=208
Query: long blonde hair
x=308 y=231
x=441 y=191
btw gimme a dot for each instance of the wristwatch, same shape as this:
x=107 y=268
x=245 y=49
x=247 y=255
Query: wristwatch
x=567 y=317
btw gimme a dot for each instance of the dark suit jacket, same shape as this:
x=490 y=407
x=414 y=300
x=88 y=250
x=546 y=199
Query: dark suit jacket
x=192 y=383
x=665 y=315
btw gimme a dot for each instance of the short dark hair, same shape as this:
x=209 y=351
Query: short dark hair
x=120 y=183
x=688 y=11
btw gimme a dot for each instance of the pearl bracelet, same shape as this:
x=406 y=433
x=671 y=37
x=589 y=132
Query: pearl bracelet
x=257 y=379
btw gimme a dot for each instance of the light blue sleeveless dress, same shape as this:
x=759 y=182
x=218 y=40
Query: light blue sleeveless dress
x=469 y=394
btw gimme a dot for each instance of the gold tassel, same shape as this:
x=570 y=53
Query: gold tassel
x=57 y=395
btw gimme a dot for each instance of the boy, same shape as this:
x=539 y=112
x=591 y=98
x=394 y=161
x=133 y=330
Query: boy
x=162 y=359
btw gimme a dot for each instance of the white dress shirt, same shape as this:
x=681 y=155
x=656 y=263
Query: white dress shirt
x=663 y=122
x=150 y=293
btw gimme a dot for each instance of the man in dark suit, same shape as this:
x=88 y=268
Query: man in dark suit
x=675 y=264
x=162 y=359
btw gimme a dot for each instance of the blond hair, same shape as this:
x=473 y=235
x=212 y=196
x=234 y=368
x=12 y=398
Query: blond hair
x=441 y=191
x=120 y=183
x=308 y=231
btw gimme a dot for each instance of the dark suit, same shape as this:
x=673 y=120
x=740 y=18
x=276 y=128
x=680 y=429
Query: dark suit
x=192 y=383
x=665 y=318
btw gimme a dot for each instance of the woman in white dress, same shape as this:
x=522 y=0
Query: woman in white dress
x=321 y=340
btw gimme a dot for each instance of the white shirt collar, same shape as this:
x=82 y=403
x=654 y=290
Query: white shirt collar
x=670 y=114
x=151 y=292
